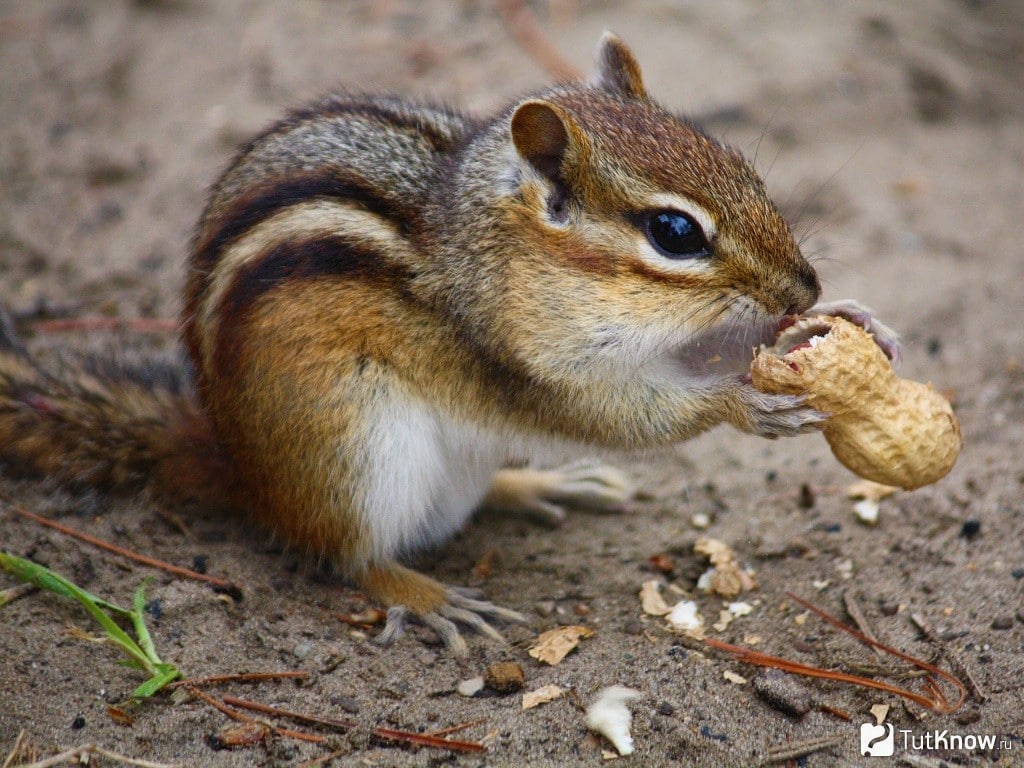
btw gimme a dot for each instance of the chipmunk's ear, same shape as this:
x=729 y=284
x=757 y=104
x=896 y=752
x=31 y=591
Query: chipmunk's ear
x=545 y=136
x=618 y=71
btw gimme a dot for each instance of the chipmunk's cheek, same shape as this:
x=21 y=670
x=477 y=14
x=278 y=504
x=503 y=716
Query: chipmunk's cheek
x=724 y=350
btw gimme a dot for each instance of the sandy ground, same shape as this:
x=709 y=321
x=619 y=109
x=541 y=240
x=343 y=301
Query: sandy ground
x=891 y=135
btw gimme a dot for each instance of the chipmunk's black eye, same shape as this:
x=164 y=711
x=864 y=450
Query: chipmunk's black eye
x=676 y=235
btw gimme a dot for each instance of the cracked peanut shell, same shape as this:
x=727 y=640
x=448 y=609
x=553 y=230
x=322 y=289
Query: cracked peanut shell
x=884 y=428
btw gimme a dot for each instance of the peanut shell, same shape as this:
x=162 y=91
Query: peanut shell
x=884 y=428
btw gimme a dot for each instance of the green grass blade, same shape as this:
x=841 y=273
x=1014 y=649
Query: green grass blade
x=49 y=580
x=139 y=622
x=166 y=673
x=44 y=578
x=144 y=657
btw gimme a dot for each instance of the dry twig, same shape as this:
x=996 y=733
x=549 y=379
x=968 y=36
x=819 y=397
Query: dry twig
x=242 y=677
x=138 y=324
x=266 y=709
x=15 y=750
x=958 y=666
x=424 y=740
x=226 y=586
x=236 y=715
x=91 y=749
x=524 y=27
x=797 y=749
x=420 y=739
x=853 y=609
x=935 y=700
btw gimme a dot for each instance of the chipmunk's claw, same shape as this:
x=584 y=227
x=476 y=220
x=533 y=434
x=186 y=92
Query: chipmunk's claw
x=773 y=416
x=885 y=337
x=446 y=619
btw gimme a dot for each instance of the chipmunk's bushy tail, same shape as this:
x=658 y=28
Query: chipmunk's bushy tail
x=108 y=424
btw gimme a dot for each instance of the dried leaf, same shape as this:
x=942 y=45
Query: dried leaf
x=716 y=551
x=241 y=735
x=552 y=646
x=662 y=563
x=879 y=712
x=485 y=565
x=368 y=617
x=542 y=695
x=120 y=715
x=724 y=620
x=727 y=577
x=651 y=600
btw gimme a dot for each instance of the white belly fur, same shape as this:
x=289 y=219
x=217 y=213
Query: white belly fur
x=422 y=475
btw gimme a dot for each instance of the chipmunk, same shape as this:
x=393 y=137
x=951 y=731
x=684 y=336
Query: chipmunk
x=390 y=303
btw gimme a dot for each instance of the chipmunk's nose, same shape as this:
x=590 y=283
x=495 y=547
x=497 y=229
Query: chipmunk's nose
x=805 y=291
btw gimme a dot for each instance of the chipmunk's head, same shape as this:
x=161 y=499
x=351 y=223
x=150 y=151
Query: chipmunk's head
x=642 y=237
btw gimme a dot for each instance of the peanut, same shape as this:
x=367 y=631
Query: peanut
x=884 y=428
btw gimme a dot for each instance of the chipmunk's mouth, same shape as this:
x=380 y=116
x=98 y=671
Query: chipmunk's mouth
x=798 y=333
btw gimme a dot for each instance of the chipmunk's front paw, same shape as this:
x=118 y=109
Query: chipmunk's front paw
x=848 y=309
x=547 y=493
x=775 y=416
x=445 y=619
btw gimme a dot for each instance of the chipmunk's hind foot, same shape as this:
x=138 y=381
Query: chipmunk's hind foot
x=547 y=494
x=413 y=597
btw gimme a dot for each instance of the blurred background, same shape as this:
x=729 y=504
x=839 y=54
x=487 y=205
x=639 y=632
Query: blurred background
x=891 y=134
x=884 y=129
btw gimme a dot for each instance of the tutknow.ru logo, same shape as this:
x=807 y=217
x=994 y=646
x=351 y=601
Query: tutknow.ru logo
x=881 y=740
x=877 y=740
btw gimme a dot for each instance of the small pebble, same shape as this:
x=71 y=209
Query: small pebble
x=866 y=511
x=679 y=653
x=707 y=733
x=1017 y=573
x=968 y=715
x=155 y=608
x=700 y=520
x=545 y=608
x=889 y=608
x=471 y=687
x=665 y=709
x=782 y=692
x=970 y=528
x=200 y=563
x=347 y=703
x=1002 y=622
x=806 y=500
x=505 y=677
x=633 y=627
x=78 y=723
x=302 y=650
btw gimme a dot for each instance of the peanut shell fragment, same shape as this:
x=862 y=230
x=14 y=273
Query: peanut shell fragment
x=886 y=429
